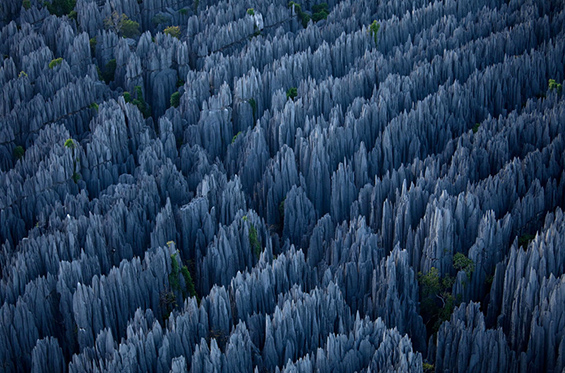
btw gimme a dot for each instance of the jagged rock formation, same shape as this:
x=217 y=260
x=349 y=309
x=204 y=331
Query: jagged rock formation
x=278 y=187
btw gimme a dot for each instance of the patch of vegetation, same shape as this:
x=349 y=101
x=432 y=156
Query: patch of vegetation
x=319 y=12
x=476 y=127
x=55 y=62
x=73 y=15
x=180 y=82
x=190 y=290
x=428 y=368
x=109 y=71
x=436 y=300
x=304 y=17
x=94 y=105
x=93 y=42
x=175 y=99
x=291 y=93
x=174 y=279
x=174 y=31
x=122 y=25
x=22 y=74
x=60 y=7
x=374 y=29
x=18 y=152
x=553 y=85
x=235 y=137
x=26 y=4
x=160 y=19
x=183 y=11
x=525 y=239
x=254 y=241
x=138 y=101
x=71 y=144
x=253 y=105
x=251 y=11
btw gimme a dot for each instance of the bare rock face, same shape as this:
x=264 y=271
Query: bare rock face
x=229 y=186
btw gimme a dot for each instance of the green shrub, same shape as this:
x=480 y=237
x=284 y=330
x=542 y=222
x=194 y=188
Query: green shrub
x=235 y=137
x=174 y=279
x=121 y=24
x=476 y=127
x=319 y=12
x=183 y=11
x=428 y=368
x=524 y=240
x=127 y=96
x=180 y=82
x=18 y=152
x=175 y=99
x=304 y=17
x=93 y=46
x=254 y=241
x=60 y=7
x=94 y=105
x=109 y=71
x=70 y=144
x=553 y=85
x=462 y=263
x=374 y=29
x=55 y=62
x=22 y=74
x=251 y=11
x=291 y=93
x=130 y=29
x=174 y=31
x=140 y=102
x=73 y=14
x=188 y=281
x=26 y=4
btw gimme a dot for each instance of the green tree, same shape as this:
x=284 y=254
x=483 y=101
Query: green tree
x=251 y=11
x=175 y=99
x=71 y=144
x=174 y=31
x=462 y=263
x=55 y=62
x=18 y=152
x=291 y=93
x=374 y=29
x=553 y=85
x=254 y=241
x=60 y=7
x=121 y=24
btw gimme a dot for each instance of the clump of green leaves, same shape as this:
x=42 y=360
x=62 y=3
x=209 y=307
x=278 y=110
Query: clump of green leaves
x=476 y=127
x=319 y=12
x=554 y=86
x=94 y=105
x=525 y=239
x=462 y=263
x=109 y=71
x=374 y=29
x=138 y=101
x=175 y=99
x=60 y=7
x=22 y=74
x=235 y=137
x=26 y=4
x=174 y=278
x=93 y=46
x=174 y=31
x=188 y=281
x=73 y=14
x=428 y=368
x=304 y=17
x=291 y=93
x=251 y=11
x=254 y=241
x=18 y=152
x=183 y=11
x=71 y=144
x=121 y=24
x=55 y=62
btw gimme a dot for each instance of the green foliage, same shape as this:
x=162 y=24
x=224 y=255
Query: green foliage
x=174 y=31
x=183 y=11
x=304 y=17
x=319 y=12
x=291 y=93
x=524 y=240
x=121 y=24
x=188 y=281
x=254 y=241
x=476 y=127
x=553 y=85
x=26 y=4
x=374 y=29
x=94 y=105
x=18 y=153
x=251 y=11
x=60 y=7
x=73 y=14
x=70 y=144
x=76 y=177
x=428 y=368
x=109 y=71
x=462 y=263
x=93 y=46
x=235 y=137
x=140 y=102
x=437 y=302
x=174 y=280
x=55 y=62
x=180 y=82
x=22 y=74
x=253 y=105
x=127 y=96
x=175 y=99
